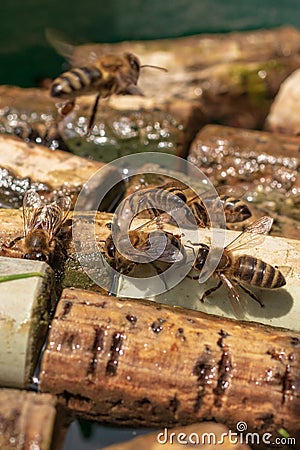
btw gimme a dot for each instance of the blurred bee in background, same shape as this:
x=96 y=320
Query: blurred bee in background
x=42 y=134
x=42 y=224
x=103 y=75
x=238 y=270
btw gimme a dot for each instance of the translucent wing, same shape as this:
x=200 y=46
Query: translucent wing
x=60 y=43
x=31 y=204
x=54 y=214
x=173 y=250
x=253 y=235
x=69 y=51
x=38 y=214
x=64 y=203
x=237 y=302
x=154 y=224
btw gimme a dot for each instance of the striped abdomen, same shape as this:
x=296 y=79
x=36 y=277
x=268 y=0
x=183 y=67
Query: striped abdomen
x=74 y=82
x=154 y=200
x=256 y=272
x=235 y=209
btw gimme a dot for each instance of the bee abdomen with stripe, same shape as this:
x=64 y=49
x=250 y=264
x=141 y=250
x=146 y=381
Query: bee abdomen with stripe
x=257 y=273
x=74 y=82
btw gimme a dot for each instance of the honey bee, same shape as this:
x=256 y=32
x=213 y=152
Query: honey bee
x=42 y=223
x=104 y=76
x=45 y=134
x=235 y=210
x=144 y=241
x=234 y=270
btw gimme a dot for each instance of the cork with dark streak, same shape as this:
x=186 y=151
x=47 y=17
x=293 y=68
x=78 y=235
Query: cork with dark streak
x=136 y=363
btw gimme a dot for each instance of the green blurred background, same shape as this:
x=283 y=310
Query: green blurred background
x=25 y=55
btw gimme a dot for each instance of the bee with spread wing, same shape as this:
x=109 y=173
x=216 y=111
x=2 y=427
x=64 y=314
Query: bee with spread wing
x=240 y=270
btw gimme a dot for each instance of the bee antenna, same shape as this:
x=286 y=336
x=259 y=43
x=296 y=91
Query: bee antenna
x=154 y=67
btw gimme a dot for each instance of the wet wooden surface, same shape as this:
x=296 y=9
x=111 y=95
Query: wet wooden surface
x=263 y=166
x=139 y=364
x=52 y=173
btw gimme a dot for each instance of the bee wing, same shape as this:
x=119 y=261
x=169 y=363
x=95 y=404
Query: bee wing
x=64 y=203
x=60 y=43
x=157 y=223
x=237 y=303
x=253 y=235
x=32 y=203
x=131 y=89
x=172 y=253
x=38 y=214
x=55 y=214
x=64 y=48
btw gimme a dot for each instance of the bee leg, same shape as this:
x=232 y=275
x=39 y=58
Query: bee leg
x=210 y=291
x=13 y=242
x=252 y=295
x=93 y=115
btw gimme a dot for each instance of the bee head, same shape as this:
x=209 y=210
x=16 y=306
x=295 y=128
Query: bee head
x=201 y=256
x=39 y=256
x=134 y=62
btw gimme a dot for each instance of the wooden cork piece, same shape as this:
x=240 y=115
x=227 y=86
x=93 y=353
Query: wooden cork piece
x=26 y=420
x=137 y=363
